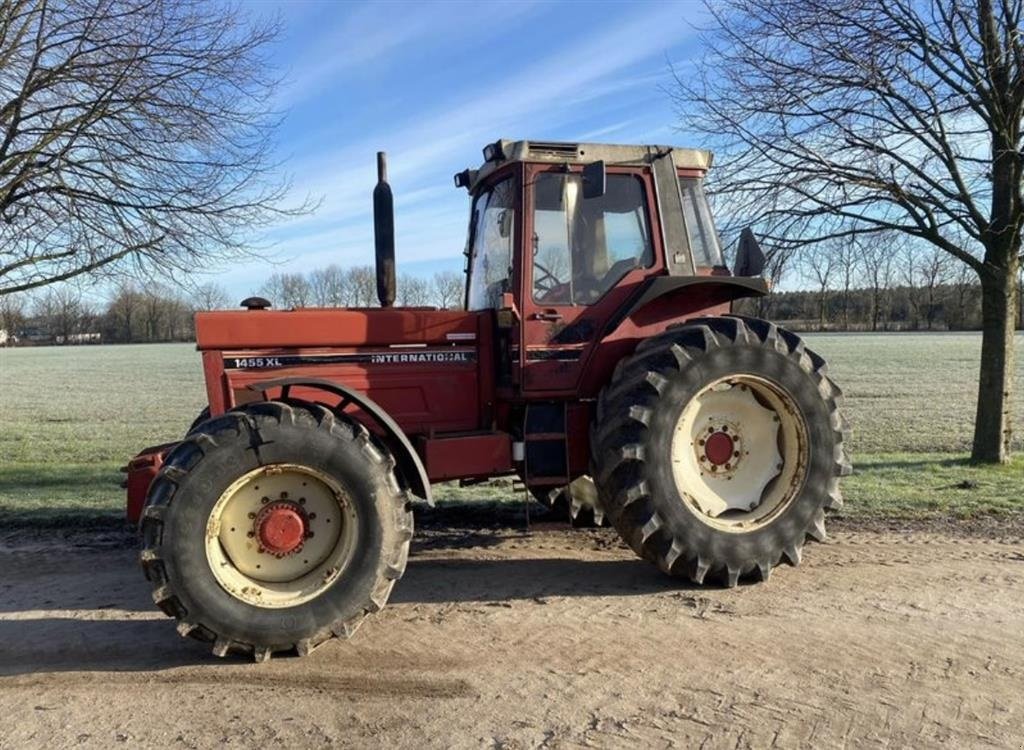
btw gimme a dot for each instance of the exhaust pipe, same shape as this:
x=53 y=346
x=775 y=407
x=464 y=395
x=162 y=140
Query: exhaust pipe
x=384 y=233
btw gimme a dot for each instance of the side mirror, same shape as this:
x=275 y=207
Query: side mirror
x=750 y=259
x=594 y=180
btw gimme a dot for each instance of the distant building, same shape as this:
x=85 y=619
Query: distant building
x=80 y=338
x=35 y=334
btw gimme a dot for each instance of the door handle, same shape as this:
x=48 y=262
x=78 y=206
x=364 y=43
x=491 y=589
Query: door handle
x=552 y=315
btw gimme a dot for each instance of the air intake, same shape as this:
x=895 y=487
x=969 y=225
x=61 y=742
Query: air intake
x=563 y=150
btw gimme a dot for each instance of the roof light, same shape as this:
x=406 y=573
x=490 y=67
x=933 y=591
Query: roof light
x=493 y=152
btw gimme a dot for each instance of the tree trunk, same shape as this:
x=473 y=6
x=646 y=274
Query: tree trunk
x=992 y=428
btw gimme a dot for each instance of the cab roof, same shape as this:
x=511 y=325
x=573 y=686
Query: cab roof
x=504 y=151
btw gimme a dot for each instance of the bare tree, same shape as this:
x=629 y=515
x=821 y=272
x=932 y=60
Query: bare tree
x=362 y=285
x=413 y=291
x=12 y=313
x=329 y=286
x=63 y=312
x=288 y=290
x=876 y=263
x=819 y=265
x=848 y=255
x=135 y=137
x=154 y=312
x=924 y=270
x=210 y=296
x=448 y=288
x=962 y=300
x=842 y=116
x=124 y=311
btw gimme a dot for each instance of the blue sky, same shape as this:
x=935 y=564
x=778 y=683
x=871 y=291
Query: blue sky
x=431 y=84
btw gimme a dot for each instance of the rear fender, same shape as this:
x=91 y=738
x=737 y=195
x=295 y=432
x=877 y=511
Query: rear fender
x=408 y=460
x=694 y=293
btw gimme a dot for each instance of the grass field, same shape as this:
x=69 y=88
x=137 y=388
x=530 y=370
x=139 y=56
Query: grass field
x=69 y=417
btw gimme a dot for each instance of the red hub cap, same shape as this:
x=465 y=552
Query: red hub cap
x=281 y=528
x=718 y=448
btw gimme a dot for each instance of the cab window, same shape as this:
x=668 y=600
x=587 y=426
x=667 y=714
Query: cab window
x=492 y=225
x=582 y=248
x=704 y=243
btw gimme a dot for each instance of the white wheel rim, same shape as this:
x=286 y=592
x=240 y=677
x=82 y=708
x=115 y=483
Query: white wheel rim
x=739 y=453
x=260 y=510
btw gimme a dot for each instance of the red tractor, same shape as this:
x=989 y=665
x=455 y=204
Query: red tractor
x=596 y=353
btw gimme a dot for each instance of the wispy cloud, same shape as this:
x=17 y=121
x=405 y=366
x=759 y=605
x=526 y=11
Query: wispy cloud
x=597 y=85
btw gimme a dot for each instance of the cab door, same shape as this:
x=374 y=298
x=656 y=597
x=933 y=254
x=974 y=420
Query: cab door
x=582 y=260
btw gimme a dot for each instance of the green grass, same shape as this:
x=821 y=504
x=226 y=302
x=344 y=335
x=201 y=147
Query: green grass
x=69 y=417
x=48 y=495
x=925 y=485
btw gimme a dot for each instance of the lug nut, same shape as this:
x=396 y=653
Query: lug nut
x=312 y=516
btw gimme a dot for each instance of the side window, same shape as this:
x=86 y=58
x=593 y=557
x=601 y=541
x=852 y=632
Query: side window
x=493 y=226
x=699 y=225
x=582 y=248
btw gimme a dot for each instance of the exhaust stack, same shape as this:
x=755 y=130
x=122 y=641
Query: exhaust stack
x=384 y=233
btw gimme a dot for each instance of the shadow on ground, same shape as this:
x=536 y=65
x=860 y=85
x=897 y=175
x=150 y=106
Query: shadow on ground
x=109 y=641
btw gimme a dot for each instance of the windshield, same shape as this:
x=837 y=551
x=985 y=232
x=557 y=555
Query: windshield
x=699 y=225
x=582 y=248
x=492 y=224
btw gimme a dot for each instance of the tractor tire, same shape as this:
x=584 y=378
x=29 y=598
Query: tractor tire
x=717 y=447
x=578 y=503
x=241 y=567
x=203 y=416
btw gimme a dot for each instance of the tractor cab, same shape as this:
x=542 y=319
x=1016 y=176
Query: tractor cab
x=563 y=236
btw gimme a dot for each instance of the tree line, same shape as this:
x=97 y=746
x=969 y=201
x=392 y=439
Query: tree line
x=334 y=286
x=133 y=313
x=872 y=284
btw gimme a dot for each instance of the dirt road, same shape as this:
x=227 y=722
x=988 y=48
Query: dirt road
x=559 y=639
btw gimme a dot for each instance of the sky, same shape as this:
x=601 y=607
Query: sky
x=431 y=84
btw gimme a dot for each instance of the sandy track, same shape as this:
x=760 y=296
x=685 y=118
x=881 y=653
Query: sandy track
x=558 y=638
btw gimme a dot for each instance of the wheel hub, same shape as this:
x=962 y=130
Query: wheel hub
x=737 y=451
x=720 y=448
x=281 y=533
x=281 y=528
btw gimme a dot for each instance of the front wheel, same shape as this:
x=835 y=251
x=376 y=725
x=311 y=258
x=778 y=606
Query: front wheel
x=273 y=528
x=718 y=445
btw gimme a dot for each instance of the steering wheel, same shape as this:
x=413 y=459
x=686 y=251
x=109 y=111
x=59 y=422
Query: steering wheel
x=546 y=281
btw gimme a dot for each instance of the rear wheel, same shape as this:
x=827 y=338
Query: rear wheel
x=273 y=528
x=718 y=446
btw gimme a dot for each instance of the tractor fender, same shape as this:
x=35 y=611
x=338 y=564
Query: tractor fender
x=408 y=460
x=714 y=289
